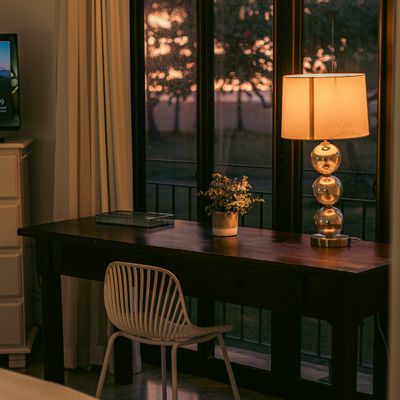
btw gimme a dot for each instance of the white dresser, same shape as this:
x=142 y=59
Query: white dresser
x=16 y=333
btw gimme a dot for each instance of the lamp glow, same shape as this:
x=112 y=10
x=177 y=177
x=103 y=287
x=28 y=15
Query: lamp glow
x=325 y=107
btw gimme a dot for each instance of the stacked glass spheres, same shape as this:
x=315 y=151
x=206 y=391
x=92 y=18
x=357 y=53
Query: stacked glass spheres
x=327 y=189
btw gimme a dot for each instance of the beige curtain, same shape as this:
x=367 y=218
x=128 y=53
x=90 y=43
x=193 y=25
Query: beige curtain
x=93 y=147
x=394 y=333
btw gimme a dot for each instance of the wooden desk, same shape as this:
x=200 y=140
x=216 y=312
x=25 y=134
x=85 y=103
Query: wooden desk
x=262 y=268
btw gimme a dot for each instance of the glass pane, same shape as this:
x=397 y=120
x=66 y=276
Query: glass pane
x=243 y=49
x=170 y=73
x=342 y=36
x=365 y=355
x=315 y=350
x=249 y=342
x=316 y=346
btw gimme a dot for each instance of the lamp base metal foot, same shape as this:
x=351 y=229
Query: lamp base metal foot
x=319 y=240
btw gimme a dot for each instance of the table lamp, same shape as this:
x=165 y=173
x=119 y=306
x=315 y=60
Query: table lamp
x=325 y=107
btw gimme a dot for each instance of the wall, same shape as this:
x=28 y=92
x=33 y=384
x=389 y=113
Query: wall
x=34 y=22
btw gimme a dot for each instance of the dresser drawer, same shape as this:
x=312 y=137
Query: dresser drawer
x=9 y=176
x=9 y=218
x=11 y=325
x=10 y=275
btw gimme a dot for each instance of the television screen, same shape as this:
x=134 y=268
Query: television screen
x=9 y=82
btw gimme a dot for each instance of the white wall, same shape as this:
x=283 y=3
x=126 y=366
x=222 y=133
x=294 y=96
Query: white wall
x=34 y=22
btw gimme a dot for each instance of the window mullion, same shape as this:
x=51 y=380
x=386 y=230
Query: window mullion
x=385 y=112
x=138 y=122
x=287 y=159
x=205 y=98
x=205 y=136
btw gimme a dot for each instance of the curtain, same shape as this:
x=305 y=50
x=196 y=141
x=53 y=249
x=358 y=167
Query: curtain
x=93 y=168
x=394 y=326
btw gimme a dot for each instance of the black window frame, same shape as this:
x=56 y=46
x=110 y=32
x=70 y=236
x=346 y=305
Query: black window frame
x=287 y=155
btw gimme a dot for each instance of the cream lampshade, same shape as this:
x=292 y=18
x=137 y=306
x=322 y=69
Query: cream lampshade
x=322 y=107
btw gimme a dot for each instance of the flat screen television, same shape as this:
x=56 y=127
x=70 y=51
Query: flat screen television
x=9 y=82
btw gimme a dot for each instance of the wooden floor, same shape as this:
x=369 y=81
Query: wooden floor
x=146 y=386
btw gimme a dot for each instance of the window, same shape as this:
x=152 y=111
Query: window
x=343 y=37
x=243 y=84
x=207 y=76
x=242 y=93
x=240 y=129
x=170 y=84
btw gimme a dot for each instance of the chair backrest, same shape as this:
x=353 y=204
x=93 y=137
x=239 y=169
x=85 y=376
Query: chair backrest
x=145 y=301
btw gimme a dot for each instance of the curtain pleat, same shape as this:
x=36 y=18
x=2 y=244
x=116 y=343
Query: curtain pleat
x=93 y=167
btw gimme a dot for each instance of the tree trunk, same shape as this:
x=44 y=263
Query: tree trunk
x=239 y=125
x=176 y=117
x=154 y=132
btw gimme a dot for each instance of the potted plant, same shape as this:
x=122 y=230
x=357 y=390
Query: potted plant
x=226 y=199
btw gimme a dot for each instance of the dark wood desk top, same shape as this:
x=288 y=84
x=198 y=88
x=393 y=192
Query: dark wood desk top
x=291 y=252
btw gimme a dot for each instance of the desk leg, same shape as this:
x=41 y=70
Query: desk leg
x=123 y=361
x=344 y=360
x=380 y=356
x=285 y=350
x=53 y=347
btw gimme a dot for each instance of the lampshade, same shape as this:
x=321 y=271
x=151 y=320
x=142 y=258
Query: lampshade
x=324 y=106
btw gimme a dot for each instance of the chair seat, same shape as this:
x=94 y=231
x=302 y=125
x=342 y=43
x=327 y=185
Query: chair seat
x=194 y=331
x=187 y=332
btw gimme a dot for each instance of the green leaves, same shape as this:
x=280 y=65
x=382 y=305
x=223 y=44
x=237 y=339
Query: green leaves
x=229 y=195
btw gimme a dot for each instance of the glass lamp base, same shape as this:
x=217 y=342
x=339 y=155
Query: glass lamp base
x=319 y=240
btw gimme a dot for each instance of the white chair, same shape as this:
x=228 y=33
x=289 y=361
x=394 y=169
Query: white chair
x=146 y=303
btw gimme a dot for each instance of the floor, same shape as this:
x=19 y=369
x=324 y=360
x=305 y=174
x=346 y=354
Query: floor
x=146 y=386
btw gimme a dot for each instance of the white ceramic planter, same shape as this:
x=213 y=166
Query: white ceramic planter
x=224 y=224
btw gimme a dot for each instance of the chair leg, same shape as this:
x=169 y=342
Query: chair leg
x=164 y=373
x=105 y=364
x=174 y=372
x=228 y=367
